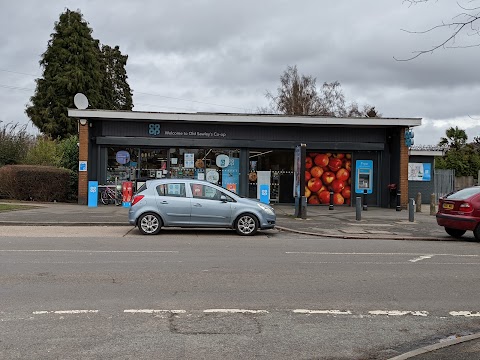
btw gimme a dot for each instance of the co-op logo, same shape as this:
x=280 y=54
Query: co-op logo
x=154 y=129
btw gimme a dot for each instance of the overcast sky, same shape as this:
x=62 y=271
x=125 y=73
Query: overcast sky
x=222 y=56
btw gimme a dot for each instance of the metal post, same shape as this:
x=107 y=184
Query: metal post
x=418 y=203
x=365 y=207
x=358 y=208
x=303 y=207
x=330 y=207
x=432 y=205
x=411 y=210
x=398 y=207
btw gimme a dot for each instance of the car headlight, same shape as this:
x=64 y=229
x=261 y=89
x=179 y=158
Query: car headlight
x=267 y=209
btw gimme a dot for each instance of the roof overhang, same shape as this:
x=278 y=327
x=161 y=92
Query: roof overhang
x=426 y=152
x=243 y=118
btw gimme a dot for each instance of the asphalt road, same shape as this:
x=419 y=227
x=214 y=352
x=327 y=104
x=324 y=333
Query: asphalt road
x=110 y=293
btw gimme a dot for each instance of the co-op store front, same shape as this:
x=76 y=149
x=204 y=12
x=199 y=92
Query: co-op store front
x=246 y=152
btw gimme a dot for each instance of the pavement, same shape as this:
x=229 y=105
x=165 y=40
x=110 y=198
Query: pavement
x=341 y=222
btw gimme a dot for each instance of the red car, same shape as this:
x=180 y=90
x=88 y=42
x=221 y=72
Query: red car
x=460 y=211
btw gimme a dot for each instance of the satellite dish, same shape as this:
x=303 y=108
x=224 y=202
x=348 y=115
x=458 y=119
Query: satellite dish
x=80 y=101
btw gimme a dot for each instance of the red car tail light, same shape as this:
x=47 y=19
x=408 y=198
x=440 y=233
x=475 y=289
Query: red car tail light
x=465 y=207
x=137 y=198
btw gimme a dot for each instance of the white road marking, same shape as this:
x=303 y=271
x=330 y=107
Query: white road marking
x=465 y=313
x=394 y=313
x=153 y=311
x=387 y=263
x=398 y=313
x=62 y=312
x=421 y=258
x=95 y=251
x=235 y=311
x=379 y=254
x=330 y=312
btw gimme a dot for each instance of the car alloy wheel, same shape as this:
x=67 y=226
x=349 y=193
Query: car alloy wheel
x=246 y=225
x=149 y=224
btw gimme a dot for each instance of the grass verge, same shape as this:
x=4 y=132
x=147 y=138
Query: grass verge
x=13 y=207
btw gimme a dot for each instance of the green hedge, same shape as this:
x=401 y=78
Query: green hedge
x=35 y=183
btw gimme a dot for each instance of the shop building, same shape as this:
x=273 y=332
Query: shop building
x=247 y=152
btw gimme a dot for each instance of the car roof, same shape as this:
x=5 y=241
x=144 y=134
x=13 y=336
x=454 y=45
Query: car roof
x=177 y=180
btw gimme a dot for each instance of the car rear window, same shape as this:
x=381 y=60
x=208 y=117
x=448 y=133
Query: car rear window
x=464 y=193
x=142 y=188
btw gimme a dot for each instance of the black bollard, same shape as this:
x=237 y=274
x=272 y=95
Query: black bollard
x=358 y=208
x=411 y=213
x=365 y=207
x=330 y=207
x=398 y=207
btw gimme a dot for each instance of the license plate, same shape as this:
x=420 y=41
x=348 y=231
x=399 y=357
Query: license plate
x=448 y=206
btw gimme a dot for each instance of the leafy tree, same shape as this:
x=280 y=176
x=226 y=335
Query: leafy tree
x=45 y=151
x=74 y=63
x=462 y=157
x=68 y=150
x=117 y=92
x=463 y=26
x=14 y=143
x=465 y=161
x=455 y=138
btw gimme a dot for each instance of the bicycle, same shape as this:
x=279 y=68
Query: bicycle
x=111 y=195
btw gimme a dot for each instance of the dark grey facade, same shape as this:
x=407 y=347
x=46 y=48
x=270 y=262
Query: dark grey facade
x=378 y=140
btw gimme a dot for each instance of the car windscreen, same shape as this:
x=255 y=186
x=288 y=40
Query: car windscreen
x=464 y=193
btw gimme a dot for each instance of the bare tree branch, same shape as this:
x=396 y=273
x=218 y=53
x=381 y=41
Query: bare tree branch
x=466 y=23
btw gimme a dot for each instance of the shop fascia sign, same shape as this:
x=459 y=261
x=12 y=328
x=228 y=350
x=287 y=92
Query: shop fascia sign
x=198 y=134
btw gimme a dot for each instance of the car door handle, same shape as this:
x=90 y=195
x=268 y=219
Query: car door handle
x=197 y=205
x=164 y=202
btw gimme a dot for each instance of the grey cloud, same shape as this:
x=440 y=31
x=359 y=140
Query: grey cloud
x=230 y=53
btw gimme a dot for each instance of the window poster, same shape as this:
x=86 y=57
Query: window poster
x=189 y=160
x=231 y=175
x=197 y=190
x=173 y=189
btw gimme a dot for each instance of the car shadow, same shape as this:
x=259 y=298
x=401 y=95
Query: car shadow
x=206 y=232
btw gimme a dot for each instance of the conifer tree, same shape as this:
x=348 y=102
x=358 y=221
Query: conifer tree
x=117 y=92
x=74 y=63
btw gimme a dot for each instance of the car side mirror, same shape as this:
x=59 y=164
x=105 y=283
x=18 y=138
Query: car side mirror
x=223 y=198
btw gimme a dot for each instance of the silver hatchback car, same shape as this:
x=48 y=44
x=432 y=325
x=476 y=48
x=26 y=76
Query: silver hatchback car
x=196 y=203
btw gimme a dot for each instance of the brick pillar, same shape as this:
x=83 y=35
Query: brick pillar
x=403 y=170
x=83 y=156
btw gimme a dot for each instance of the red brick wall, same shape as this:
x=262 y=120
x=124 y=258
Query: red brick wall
x=83 y=156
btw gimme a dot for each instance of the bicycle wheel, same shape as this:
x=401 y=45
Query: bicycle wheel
x=118 y=200
x=104 y=197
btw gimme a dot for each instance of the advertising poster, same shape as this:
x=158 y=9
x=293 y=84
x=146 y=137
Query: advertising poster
x=231 y=175
x=325 y=172
x=189 y=160
x=419 y=172
x=297 y=168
